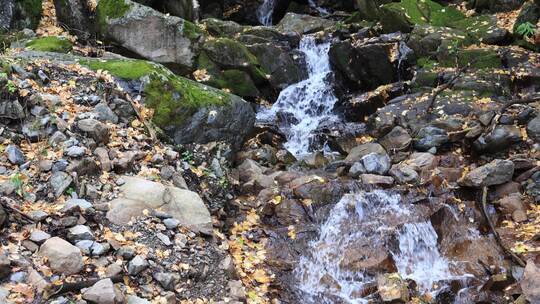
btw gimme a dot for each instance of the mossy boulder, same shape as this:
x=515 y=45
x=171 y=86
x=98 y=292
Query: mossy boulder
x=479 y=58
x=482 y=28
x=303 y=24
x=150 y=34
x=50 y=44
x=426 y=39
x=223 y=58
x=221 y=28
x=401 y=16
x=364 y=66
x=187 y=111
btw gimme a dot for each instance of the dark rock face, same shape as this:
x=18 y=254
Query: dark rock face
x=501 y=138
x=75 y=15
x=231 y=123
x=364 y=65
x=495 y=5
x=19 y=14
x=533 y=129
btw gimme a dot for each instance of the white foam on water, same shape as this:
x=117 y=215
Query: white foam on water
x=265 y=12
x=419 y=258
x=358 y=218
x=308 y=102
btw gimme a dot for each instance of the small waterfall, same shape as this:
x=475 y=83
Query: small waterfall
x=305 y=104
x=365 y=222
x=418 y=258
x=265 y=12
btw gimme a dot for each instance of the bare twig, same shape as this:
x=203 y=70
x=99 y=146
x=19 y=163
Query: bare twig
x=445 y=86
x=507 y=251
x=9 y=204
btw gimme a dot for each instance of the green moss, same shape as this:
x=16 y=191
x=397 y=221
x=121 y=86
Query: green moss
x=191 y=30
x=477 y=58
x=479 y=27
x=426 y=62
x=110 y=9
x=50 y=44
x=175 y=98
x=426 y=12
x=32 y=9
x=125 y=69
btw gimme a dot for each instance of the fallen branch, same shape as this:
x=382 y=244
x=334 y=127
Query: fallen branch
x=507 y=251
x=527 y=100
x=446 y=86
x=8 y=204
x=77 y=286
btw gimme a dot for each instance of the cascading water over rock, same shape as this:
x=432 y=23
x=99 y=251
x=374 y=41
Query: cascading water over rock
x=307 y=103
x=364 y=225
x=265 y=12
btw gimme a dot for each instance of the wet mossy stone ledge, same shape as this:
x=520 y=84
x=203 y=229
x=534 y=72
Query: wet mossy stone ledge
x=402 y=16
x=150 y=34
x=50 y=44
x=187 y=111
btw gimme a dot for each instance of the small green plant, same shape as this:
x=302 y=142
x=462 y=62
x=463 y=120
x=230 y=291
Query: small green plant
x=11 y=87
x=187 y=156
x=526 y=29
x=224 y=182
x=70 y=191
x=17 y=181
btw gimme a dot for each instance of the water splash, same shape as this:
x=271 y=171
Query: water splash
x=419 y=258
x=367 y=220
x=265 y=12
x=305 y=104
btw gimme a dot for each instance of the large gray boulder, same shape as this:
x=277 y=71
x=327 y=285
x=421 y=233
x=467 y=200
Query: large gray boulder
x=148 y=33
x=138 y=194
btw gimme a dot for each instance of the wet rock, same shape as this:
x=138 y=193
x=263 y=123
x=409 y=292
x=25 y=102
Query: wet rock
x=356 y=170
x=302 y=24
x=514 y=206
x=430 y=137
x=80 y=232
x=358 y=152
x=501 y=138
x=39 y=236
x=364 y=66
x=494 y=173
x=362 y=257
x=392 y=289
x=95 y=129
x=15 y=155
x=376 y=163
x=397 y=140
x=59 y=182
x=62 y=256
x=136 y=265
x=533 y=129
x=140 y=194
x=251 y=172
x=422 y=161
x=100 y=293
x=11 y=110
x=377 y=180
x=167 y=280
x=530 y=284
x=404 y=174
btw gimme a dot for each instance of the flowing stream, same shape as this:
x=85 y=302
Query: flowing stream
x=369 y=225
x=302 y=106
x=265 y=12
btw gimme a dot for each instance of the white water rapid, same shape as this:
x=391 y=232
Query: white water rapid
x=305 y=104
x=363 y=225
x=265 y=12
